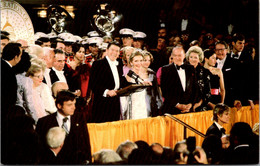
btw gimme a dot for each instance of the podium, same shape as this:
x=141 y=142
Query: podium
x=131 y=89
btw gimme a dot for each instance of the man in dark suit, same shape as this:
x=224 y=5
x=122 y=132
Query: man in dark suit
x=178 y=84
x=243 y=62
x=11 y=55
x=221 y=116
x=76 y=148
x=105 y=79
x=60 y=71
x=227 y=65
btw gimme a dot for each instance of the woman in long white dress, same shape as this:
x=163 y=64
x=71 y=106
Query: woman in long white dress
x=140 y=103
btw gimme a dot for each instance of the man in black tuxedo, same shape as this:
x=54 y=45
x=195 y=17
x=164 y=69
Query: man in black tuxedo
x=11 y=56
x=221 y=116
x=243 y=62
x=76 y=148
x=61 y=72
x=105 y=79
x=178 y=84
x=228 y=67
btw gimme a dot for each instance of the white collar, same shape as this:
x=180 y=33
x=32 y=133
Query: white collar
x=60 y=116
x=8 y=63
x=242 y=145
x=53 y=68
x=112 y=62
x=221 y=61
x=218 y=125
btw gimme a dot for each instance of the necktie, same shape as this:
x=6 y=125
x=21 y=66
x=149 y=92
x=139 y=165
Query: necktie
x=223 y=130
x=64 y=125
x=181 y=66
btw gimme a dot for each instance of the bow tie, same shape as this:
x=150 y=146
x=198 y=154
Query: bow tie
x=114 y=63
x=235 y=55
x=181 y=66
x=223 y=130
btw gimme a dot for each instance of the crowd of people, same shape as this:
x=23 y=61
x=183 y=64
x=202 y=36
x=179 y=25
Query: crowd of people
x=66 y=81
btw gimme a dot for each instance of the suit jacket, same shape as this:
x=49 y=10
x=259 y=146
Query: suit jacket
x=105 y=109
x=172 y=89
x=76 y=148
x=213 y=129
x=8 y=88
x=229 y=71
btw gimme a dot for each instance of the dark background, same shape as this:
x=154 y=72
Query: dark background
x=143 y=15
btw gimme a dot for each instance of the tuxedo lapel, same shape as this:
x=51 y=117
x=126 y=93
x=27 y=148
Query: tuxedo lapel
x=53 y=76
x=178 y=80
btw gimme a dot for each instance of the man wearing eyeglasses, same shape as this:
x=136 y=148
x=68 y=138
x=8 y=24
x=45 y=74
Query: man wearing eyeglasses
x=227 y=65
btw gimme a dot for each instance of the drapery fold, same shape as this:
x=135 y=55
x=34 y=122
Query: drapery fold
x=161 y=129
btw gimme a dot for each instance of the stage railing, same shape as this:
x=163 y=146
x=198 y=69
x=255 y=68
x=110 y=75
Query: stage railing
x=162 y=129
x=185 y=126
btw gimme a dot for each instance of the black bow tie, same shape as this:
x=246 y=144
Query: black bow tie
x=181 y=66
x=223 y=130
x=235 y=56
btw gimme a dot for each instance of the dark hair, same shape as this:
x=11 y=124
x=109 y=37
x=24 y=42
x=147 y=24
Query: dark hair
x=208 y=53
x=222 y=42
x=11 y=50
x=44 y=39
x=4 y=37
x=242 y=132
x=5 y=33
x=58 y=51
x=64 y=95
x=76 y=47
x=219 y=109
x=238 y=37
x=113 y=43
x=24 y=63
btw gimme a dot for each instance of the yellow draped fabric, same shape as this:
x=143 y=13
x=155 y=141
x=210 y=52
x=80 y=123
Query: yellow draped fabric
x=161 y=129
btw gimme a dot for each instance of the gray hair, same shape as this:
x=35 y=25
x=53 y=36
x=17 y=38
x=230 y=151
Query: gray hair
x=195 y=49
x=106 y=156
x=125 y=148
x=55 y=137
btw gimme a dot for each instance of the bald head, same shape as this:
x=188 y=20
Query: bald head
x=58 y=86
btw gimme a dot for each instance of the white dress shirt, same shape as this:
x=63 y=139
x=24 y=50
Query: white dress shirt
x=60 y=75
x=182 y=77
x=220 y=63
x=239 y=54
x=219 y=127
x=47 y=77
x=60 y=118
x=184 y=23
x=113 y=67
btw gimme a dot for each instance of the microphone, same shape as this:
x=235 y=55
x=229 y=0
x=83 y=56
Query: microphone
x=133 y=75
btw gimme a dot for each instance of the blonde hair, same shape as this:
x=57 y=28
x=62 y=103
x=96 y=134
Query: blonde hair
x=37 y=65
x=195 y=49
x=147 y=53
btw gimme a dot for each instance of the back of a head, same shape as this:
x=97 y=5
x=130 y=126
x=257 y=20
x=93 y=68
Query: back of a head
x=140 y=156
x=241 y=133
x=11 y=50
x=212 y=146
x=125 y=148
x=55 y=137
x=142 y=144
x=106 y=156
x=58 y=86
x=24 y=64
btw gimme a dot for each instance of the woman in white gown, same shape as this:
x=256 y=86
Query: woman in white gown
x=141 y=103
x=42 y=99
